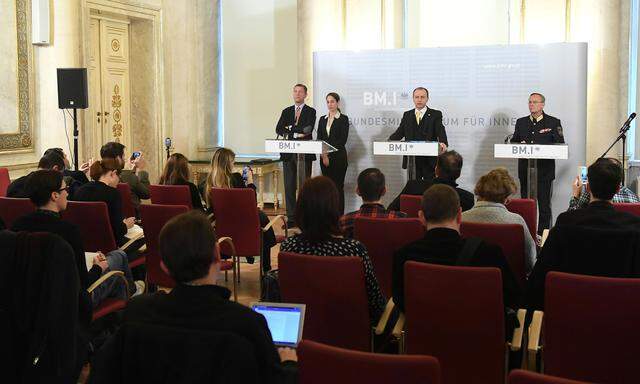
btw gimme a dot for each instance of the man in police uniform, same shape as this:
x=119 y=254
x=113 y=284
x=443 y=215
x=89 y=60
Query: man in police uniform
x=422 y=124
x=538 y=128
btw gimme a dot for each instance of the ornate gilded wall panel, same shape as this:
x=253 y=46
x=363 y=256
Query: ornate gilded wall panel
x=16 y=120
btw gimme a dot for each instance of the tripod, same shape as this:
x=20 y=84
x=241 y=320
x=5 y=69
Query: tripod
x=622 y=136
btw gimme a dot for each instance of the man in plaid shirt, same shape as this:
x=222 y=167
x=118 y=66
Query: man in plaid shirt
x=371 y=188
x=580 y=198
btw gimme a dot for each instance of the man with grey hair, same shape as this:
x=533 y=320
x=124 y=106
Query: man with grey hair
x=538 y=128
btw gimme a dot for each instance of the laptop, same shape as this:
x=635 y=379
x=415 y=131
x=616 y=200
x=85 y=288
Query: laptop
x=285 y=321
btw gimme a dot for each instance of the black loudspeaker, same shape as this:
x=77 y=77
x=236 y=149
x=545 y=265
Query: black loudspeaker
x=72 y=88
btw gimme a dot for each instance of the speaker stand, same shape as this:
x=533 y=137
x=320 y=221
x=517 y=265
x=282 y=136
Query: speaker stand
x=75 y=138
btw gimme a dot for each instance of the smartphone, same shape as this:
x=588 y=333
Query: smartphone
x=582 y=171
x=135 y=155
x=245 y=172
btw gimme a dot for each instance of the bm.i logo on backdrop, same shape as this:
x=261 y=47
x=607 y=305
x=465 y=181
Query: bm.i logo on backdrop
x=383 y=97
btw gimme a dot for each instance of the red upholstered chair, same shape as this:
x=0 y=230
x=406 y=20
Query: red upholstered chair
x=632 y=208
x=154 y=217
x=383 y=237
x=509 y=237
x=590 y=328
x=322 y=364
x=528 y=209
x=13 y=208
x=519 y=376
x=171 y=195
x=410 y=204
x=333 y=288
x=4 y=181
x=92 y=218
x=456 y=314
x=128 y=209
x=236 y=214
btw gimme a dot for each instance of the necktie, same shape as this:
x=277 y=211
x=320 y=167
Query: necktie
x=418 y=117
x=298 y=108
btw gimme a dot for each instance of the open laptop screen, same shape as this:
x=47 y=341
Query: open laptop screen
x=285 y=321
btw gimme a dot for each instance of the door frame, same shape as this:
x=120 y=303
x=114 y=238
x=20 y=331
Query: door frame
x=131 y=11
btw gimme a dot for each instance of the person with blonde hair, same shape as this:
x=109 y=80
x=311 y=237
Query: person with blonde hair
x=493 y=191
x=221 y=175
x=176 y=172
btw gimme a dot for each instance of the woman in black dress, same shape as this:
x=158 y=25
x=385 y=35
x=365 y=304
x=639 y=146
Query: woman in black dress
x=333 y=128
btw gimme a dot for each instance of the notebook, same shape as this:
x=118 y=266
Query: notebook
x=88 y=258
x=285 y=321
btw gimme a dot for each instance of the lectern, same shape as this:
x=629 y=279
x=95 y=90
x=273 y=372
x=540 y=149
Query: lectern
x=531 y=152
x=300 y=148
x=411 y=149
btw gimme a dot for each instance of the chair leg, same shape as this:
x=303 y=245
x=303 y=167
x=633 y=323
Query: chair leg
x=235 y=285
x=238 y=266
x=402 y=343
x=226 y=276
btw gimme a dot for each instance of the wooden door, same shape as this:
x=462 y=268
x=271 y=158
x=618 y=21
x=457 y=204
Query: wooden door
x=114 y=63
x=108 y=117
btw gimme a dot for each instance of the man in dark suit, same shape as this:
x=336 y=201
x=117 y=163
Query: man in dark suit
x=296 y=123
x=189 y=253
x=538 y=128
x=447 y=171
x=596 y=240
x=422 y=124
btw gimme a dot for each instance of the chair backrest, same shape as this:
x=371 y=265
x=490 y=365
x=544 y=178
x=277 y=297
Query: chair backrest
x=519 y=376
x=128 y=209
x=510 y=237
x=196 y=356
x=632 y=208
x=336 y=313
x=171 y=195
x=591 y=328
x=92 y=218
x=13 y=208
x=4 y=181
x=236 y=214
x=410 y=204
x=456 y=314
x=154 y=217
x=383 y=237
x=528 y=209
x=321 y=364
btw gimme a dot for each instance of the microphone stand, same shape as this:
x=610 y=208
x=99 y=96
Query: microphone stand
x=622 y=136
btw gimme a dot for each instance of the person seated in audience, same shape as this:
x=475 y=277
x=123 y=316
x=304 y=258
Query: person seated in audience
x=134 y=174
x=447 y=171
x=104 y=176
x=221 y=175
x=17 y=188
x=317 y=214
x=493 y=191
x=48 y=192
x=580 y=197
x=442 y=244
x=371 y=187
x=189 y=253
x=80 y=175
x=176 y=172
x=585 y=241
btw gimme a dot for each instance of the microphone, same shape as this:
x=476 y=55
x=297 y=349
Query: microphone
x=507 y=138
x=626 y=123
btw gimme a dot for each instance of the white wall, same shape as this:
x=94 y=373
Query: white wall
x=260 y=68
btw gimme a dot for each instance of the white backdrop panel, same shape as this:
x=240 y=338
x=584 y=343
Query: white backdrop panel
x=480 y=90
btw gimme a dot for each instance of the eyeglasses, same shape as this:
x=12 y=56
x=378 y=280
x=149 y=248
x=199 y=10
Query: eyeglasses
x=63 y=189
